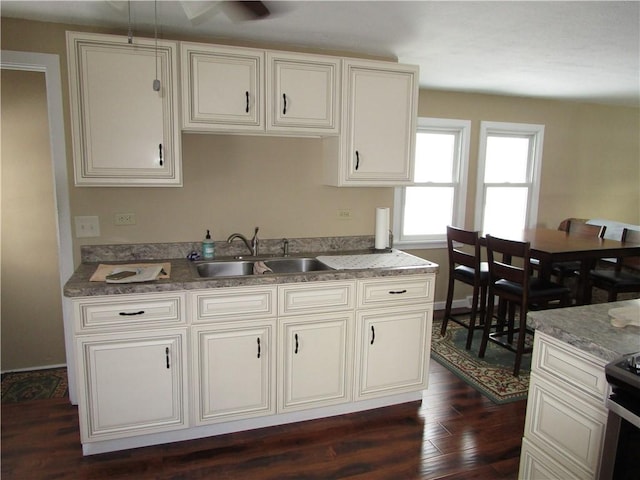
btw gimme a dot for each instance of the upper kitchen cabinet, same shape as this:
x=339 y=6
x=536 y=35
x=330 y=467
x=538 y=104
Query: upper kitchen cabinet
x=302 y=93
x=222 y=88
x=376 y=148
x=125 y=131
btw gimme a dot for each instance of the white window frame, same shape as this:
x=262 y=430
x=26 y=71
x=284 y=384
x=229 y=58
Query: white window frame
x=429 y=124
x=534 y=166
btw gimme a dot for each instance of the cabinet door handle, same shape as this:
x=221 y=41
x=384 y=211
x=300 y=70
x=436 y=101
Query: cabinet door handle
x=296 y=337
x=247 y=95
x=357 y=160
x=397 y=292
x=373 y=334
x=160 y=153
x=258 y=347
x=284 y=99
x=166 y=353
x=126 y=314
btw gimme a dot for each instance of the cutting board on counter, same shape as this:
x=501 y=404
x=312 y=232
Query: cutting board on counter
x=392 y=259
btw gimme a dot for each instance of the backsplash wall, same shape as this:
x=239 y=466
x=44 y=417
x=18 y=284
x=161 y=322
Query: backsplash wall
x=234 y=183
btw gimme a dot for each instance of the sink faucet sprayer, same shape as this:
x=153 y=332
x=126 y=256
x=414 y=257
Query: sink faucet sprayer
x=253 y=246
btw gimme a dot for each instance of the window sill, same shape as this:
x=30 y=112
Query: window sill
x=420 y=245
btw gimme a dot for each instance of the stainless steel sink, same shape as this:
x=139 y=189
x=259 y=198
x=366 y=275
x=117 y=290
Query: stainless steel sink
x=232 y=268
x=295 y=265
x=225 y=269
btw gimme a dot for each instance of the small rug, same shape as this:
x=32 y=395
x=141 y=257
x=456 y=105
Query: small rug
x=34 y=385
x=492 y=375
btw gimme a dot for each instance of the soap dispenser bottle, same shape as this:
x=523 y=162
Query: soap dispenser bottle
x=208 y=247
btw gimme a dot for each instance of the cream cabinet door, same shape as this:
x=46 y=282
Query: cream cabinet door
x=222 y=88
x=234 y=371
x=132 y=384
x=392 y=350
x=302 y=93
x=380 y=101
x=315 y=358
x=124 y=132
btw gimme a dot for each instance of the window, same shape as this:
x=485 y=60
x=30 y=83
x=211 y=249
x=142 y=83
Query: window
x=438 y=196
x=510 y=159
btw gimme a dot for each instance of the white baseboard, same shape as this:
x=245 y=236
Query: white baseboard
x=31 y=369
x=461 y=303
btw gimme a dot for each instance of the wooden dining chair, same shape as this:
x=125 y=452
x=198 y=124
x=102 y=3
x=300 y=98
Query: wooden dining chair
x=511 y=282
x=564 y=270
x=625 y=277
x=467 y=268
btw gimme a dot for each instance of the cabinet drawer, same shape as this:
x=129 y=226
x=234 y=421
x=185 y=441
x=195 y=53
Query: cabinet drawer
x=565 y=427
x=233 y=303
x=537 y=465
x=126 y=312
x=395 y=291
x=315 y=297
x=571 y=367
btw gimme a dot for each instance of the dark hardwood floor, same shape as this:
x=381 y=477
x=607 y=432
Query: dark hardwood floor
x=455 y=433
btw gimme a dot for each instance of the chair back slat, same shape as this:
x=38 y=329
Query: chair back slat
x=504 y=267
x=585 y=229
x=630 y=236
x=457 y=256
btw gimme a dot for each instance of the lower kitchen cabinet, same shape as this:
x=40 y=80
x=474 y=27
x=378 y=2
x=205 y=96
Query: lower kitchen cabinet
x=315 y=360
x=132 y=384
x=392 y=351
x=566 y=414
x=234 y=371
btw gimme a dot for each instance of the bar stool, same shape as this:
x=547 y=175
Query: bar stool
x=513 y=286
x=466 y=268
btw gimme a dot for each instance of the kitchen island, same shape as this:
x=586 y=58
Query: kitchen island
x=566 y=413
x=186 y=357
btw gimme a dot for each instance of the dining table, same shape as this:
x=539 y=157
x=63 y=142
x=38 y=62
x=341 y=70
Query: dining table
x=549 y=246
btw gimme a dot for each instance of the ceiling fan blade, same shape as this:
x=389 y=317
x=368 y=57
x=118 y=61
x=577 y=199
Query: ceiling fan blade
x=254 y=9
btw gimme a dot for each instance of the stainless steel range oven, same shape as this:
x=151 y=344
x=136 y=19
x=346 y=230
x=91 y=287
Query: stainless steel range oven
x=621 y=451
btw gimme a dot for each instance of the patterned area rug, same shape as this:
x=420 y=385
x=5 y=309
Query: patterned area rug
x=34 y=385
x=492 y=375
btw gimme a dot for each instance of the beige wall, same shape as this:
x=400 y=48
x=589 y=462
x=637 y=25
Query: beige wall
x=591 y=168
x=32 y=331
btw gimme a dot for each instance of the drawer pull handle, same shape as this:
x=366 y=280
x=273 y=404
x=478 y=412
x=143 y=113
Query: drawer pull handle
x=357 y=160
x=373 y=334
x=160 y=153
x=284 y=99
x=397 y=292
x=166 y=353
x=127 y=314
x=247 y=95
x=258 y=347
x=296 y=337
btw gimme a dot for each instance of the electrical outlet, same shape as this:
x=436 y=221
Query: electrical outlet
x=344 y=214
x=87 y=227
x=125 y=219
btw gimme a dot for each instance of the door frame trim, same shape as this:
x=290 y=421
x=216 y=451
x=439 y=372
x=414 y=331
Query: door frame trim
x=49 y=64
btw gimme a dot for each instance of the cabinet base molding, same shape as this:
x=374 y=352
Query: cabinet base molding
x=193 y=433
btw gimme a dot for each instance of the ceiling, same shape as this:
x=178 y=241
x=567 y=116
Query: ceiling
x=576 y=50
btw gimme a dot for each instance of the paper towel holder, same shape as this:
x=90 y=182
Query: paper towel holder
x=388 y=249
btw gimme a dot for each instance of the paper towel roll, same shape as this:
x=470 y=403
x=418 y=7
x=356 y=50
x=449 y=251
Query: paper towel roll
x=382 y=228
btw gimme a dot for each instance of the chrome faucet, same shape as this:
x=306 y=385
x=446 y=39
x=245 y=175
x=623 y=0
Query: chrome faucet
x=252 y=246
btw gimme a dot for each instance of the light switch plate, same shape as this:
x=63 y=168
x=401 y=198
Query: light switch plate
x=87 y=226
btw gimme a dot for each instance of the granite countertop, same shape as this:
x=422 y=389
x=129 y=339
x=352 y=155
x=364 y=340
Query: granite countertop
x=589 y=329
x=184 y=276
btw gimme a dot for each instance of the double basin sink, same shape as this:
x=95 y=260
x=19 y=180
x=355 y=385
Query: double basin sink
x=242 y=267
